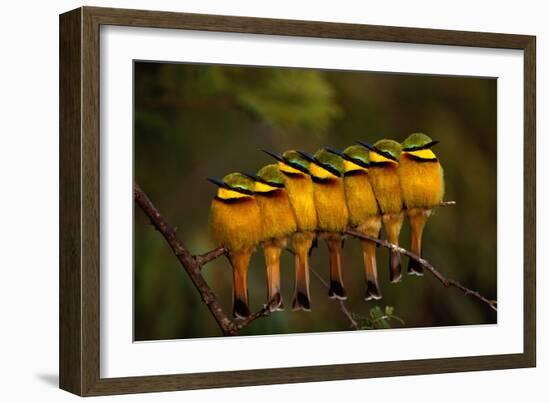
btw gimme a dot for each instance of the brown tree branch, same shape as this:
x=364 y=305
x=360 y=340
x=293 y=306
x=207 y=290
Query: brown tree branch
x=193 y=265
x=428 y=266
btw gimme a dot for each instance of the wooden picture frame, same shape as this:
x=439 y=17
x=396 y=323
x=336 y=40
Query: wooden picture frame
x=79 y=200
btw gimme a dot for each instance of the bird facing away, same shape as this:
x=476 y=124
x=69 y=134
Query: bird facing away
x=235 y=223
x=326 y=170
x=278 y=223
x=422 y=186
x=384 y=177
x=364 y=214
x=299 y=188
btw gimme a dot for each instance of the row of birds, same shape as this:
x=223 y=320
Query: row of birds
x=302 y=196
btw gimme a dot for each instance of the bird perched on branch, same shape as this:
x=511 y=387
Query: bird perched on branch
x=364 y=214
x=422 y=186
x=326 y=170
x=299 y=188
x=235 y=223
x=278 y=223
x=384 y=177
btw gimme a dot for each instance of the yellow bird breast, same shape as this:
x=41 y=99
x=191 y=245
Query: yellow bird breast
x=236 y=224
x=277 y=215
x=422 y=182
x=387 y=189
x=360 y=198
x=330 y=201
x=299 y=189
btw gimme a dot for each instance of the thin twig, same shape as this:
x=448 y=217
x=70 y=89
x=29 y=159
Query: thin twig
x=265 y=311
x=447 y=203
x=209 y=256
x=427 y=265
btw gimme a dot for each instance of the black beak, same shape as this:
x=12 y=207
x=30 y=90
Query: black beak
x=278 y=157
x=432 y=143
x=367 y=145
x=218 y=182
x=252 y=176
x=336 y=152
x=307 y=156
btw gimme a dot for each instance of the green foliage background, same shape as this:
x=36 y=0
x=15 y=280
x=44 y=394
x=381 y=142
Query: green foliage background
x=196 y=121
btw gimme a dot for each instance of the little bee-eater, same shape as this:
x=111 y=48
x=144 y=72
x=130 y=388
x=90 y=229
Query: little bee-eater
x=326 y=170
x=422 y=186
x=299 y=188
x=364 y=214
x=384 y=177
x=235 y=222
x=278 y=223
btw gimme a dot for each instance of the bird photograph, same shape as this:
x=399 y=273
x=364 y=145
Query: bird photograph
x=312 y=200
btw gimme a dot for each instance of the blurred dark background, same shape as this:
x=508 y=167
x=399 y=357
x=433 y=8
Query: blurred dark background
x=195 y=121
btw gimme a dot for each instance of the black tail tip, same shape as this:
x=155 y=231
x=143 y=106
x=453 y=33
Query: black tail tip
x=240 y=309
x=395 y=267
x=276 y=303
x=373 y=291
x=414 y=268
x=337 y=291
x=301 y=302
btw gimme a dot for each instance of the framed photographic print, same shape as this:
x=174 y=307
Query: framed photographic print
x=249 y=201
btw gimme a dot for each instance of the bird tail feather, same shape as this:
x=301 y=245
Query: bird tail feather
x=392 y=224
x=371 y=273
x=336 y=289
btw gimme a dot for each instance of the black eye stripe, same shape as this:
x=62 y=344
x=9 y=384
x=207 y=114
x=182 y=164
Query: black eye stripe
x=329 y=168
x=357 y=161
x=296 y=166
x=386 y=154
x=241 y=190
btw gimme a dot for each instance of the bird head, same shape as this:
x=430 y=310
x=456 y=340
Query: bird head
x=324 y=164
x=356 y=158
x=291 y=162
x=383 y=151
x=419 y=145
x=268 y=179
x=234 y=186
